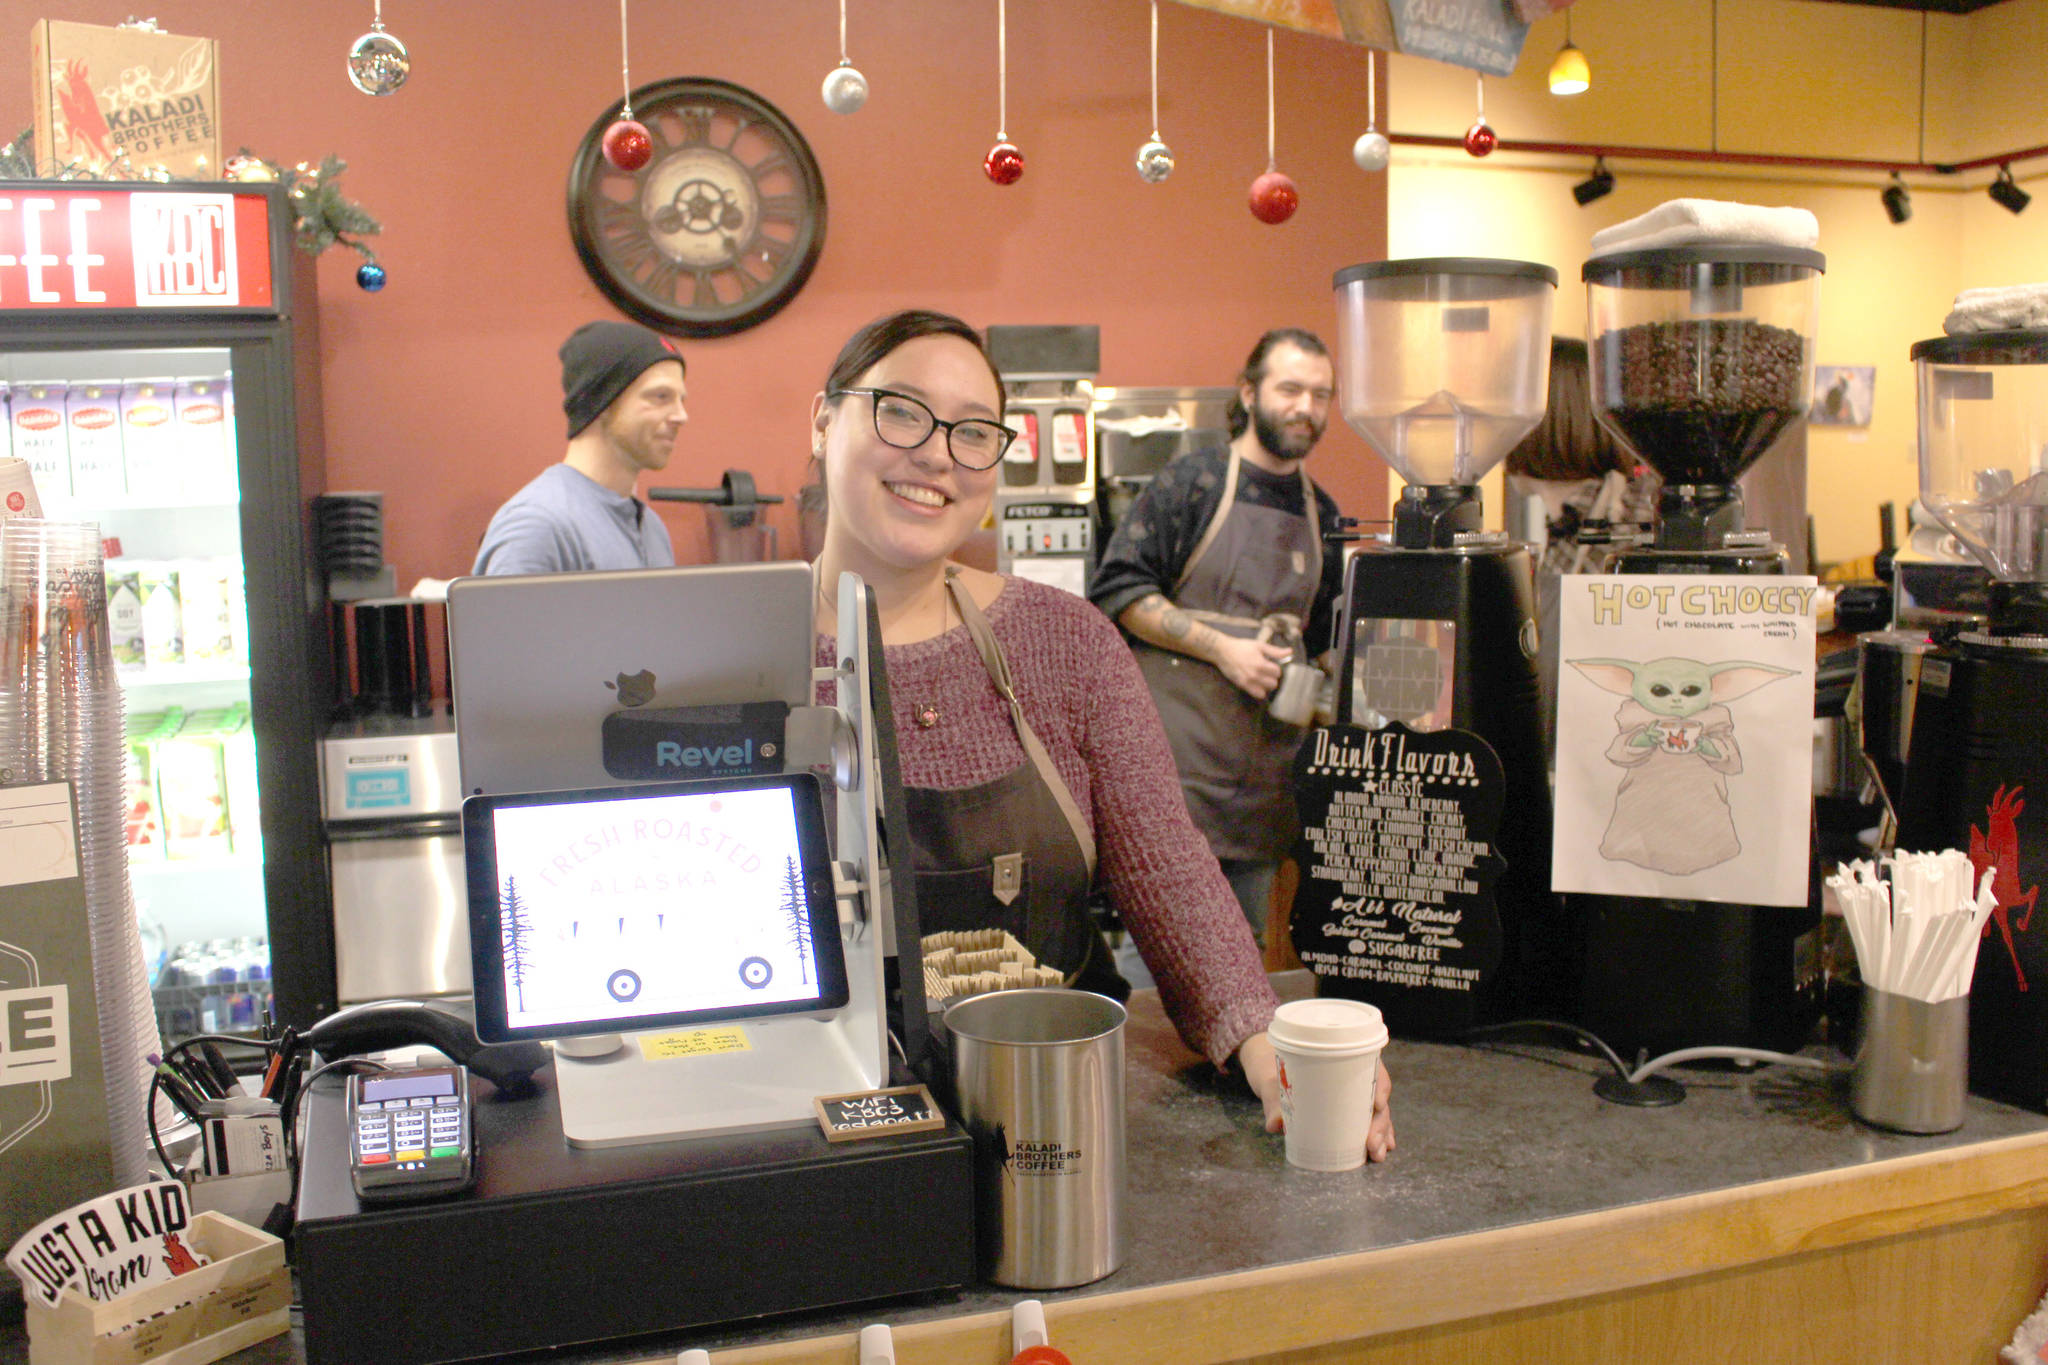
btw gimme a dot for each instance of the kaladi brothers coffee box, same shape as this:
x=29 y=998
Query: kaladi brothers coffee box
x=93 y=427
x=105 y=95
x=149 y=437
x=36 y=418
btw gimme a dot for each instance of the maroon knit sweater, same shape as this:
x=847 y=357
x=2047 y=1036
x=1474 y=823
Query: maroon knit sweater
x=1081 y=691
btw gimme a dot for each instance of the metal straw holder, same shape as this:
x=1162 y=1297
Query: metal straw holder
x=1913 y=1067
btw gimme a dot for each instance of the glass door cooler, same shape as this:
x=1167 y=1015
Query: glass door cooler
x=157 y=348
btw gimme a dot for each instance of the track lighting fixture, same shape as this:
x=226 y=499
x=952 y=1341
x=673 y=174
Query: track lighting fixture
x=1598 y=185
x=2006 y=194
x=1898 y=202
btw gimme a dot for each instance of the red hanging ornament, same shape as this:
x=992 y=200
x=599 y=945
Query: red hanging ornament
x=1274 y=198
x=1480 y=140
x=628 y=145
x=1004 y=163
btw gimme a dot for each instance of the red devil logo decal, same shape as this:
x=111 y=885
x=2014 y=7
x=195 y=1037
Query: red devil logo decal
x=177 y=1257
x=82 y=112
x=2000 y=852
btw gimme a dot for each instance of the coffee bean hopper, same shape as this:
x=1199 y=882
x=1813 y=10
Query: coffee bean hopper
x=1701 y=356
x=1443 y=365
x=1977 y=772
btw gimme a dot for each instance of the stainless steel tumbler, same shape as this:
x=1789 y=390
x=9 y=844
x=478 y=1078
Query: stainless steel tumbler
x=1040 y=1078
x=1913 y=1067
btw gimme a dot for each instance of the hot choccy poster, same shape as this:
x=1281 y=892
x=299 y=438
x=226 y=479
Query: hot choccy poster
x=1685 y=737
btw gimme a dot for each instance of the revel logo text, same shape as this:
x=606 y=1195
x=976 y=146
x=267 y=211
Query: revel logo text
x=669 y=754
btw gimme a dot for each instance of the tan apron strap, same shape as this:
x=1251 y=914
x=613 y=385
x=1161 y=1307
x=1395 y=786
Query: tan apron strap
x=1317 y=550
x=1215 y=526
x=999 y=673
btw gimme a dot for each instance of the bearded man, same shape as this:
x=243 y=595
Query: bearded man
x=1219 y=576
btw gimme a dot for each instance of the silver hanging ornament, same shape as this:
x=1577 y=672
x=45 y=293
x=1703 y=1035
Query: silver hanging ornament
x=1155 y=158
x=1371 y=151
x=845 y=89
x=1155 y=161
x=378 y=64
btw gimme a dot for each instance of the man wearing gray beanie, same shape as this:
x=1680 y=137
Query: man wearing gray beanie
x=622 y=388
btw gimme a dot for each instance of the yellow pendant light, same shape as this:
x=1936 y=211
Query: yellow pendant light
x=1569 y=74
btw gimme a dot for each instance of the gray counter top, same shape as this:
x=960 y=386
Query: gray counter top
x=1489 y=1137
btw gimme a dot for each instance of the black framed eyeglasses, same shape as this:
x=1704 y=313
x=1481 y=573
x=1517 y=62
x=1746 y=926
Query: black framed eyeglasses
x=903 y=422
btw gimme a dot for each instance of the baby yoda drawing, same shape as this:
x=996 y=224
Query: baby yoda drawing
x=1677 y=742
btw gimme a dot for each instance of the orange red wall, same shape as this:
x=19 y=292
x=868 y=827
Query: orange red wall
x=443 y=390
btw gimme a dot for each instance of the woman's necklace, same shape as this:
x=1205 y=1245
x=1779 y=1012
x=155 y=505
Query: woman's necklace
x=924 y=713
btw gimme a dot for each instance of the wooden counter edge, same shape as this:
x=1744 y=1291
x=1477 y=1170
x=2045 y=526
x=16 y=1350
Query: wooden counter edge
x=1306 y=1304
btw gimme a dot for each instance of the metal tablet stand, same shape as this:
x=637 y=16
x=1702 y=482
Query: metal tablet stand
x=696 y=1082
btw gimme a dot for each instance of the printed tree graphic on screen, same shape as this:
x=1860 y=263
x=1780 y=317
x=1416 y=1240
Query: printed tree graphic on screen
x=799 y=917
x=516 y=926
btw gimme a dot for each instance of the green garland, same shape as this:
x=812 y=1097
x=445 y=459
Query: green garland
x=321 y=215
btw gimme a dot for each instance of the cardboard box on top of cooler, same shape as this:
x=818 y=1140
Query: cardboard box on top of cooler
x=101 y=90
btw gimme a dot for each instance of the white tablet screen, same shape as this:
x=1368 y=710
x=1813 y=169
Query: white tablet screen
x=630 y=907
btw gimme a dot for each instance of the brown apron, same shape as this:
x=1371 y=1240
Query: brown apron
x=1252 y=567
x=1012 y=853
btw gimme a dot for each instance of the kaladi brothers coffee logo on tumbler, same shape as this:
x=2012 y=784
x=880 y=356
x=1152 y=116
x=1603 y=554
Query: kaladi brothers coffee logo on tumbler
x=1398 y=868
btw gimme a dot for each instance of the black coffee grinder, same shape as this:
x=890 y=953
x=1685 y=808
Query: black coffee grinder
x=1443 y=365
x=1701 y=356
x=1976 y=773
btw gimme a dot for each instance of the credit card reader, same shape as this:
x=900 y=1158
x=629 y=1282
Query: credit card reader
x=410 y=1133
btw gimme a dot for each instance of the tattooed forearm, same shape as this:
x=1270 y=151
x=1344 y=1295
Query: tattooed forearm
x=1157 y=621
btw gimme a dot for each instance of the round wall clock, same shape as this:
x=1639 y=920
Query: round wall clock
x=719 y=229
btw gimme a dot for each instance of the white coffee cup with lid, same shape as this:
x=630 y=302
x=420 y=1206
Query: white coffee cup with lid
x=1329 y=1053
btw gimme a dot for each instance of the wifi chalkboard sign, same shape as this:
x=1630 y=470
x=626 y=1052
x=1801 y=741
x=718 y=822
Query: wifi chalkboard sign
x=878 y=1113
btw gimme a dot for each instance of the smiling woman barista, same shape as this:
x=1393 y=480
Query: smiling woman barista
x=1035 y=762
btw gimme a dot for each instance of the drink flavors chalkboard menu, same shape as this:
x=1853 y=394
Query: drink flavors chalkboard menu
x=1398 y=867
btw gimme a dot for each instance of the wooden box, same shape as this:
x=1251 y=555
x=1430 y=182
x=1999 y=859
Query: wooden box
x=98 y=91
x=241 y=1297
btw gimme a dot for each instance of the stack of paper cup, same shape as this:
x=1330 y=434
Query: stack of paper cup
x=63 y=722
x=1329 y=1052
x=17 y=489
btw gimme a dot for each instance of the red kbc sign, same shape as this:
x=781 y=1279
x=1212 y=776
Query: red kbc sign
x=119 y=248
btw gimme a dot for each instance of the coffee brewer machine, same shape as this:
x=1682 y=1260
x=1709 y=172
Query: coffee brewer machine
x=1977 y=770
x=1701 y=356
x=1443 y=365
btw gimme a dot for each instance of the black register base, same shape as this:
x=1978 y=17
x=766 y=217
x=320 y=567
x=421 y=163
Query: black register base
x=557 y=1246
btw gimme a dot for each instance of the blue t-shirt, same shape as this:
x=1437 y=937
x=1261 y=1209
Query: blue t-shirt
x=565 y=521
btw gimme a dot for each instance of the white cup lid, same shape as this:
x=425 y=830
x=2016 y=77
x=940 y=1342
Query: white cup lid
x=1327 y=1023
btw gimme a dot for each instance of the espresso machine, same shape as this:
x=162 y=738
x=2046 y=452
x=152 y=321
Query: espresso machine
x=1443 y=365
x=1976 y=774
x=1701 y=356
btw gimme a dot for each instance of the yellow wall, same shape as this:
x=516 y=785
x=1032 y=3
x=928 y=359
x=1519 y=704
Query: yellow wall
x=1796 y=78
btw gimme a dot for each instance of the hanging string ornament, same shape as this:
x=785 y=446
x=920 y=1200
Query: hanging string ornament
x=1371 y=151
x=626 y=144
x=1155 y=158
x=378 y=63
x=1480 y=139
x=1004 y=164
x=845 y=89
x=1274 y=198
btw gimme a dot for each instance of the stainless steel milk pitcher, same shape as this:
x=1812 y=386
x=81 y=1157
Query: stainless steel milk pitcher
x=1040 y=1078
